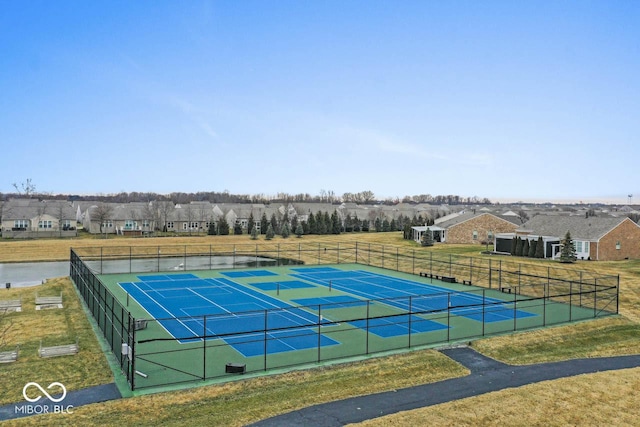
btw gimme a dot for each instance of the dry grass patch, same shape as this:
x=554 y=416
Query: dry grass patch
x=612 y=336
x=53 y=327
x=607 y=398
x=242 y=402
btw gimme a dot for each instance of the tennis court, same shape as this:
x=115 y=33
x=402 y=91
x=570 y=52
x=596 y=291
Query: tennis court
x=171 y=327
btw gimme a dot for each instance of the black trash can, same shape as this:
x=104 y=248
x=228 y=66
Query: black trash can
x=8 y=285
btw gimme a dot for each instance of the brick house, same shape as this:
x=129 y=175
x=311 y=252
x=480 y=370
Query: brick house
x=594 y=238
x=468 y=227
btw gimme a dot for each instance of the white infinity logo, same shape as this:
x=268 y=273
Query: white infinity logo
x=53 y=399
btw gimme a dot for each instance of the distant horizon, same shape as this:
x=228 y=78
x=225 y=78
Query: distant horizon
x=608 y=200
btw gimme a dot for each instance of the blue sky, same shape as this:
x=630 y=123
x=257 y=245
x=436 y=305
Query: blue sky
x=504 y=100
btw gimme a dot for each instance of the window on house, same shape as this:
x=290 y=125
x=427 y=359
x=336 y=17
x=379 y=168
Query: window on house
x=21 y=223
x=169 y=225
x=618 y=245
x=475 y=235
x=579 y=246
x=44 y=224
x=193 y=225
x=129 y=224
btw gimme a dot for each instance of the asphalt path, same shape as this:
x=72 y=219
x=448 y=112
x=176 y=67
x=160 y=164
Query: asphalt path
x=486 y=375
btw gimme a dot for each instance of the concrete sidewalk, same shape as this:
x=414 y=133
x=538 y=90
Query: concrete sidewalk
x=487 y=375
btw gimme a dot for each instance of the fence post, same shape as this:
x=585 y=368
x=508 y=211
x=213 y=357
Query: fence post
x=204 y=348
x=266 y=313
x=413 y=261
x=490 y=273
x=130 y=255
x=319 y=331
x=338 y=250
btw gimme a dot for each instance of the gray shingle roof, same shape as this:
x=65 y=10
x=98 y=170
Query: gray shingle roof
x=580 y=227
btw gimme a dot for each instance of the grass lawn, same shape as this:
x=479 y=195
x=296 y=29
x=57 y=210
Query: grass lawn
x=589 y=399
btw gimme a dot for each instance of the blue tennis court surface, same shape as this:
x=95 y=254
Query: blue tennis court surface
x=411 y=295
x=228 y=309
x=192 y=309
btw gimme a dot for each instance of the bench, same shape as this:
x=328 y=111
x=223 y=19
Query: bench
x=48 y=302
x=235 y=368
x=58 y=350
x=467 y=282
x=9 y=356
x=447 y=279
x=140 y=324
x=10 y=305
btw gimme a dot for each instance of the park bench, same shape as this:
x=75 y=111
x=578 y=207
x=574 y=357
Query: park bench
x=9 y=356
x=58 y=350
x=7 y=306
x=48 y=302
x=447 y=279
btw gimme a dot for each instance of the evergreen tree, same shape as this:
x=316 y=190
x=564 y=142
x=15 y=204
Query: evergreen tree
x=305 y=227
x=251 y=223
x=212 y=229
x=327 y=223
x=237 y=229
x=294 y=222
x=540 y=248
x=377 y=224
x=335 y=223
x=514 y=243
x=348 y=223
x=312 y=224
x=357 y=225
x=427 y=238
x=270 y=233
x=518 y=246
x=568 y=251
x=299 y=230
x=532 y=248
x=264 y=223
x=284 y=230
x=406 y=232
x=254 y=233
x=223 y=227
x=365 y=225
x=385 y=225
x=274 y=223
x=525 y=247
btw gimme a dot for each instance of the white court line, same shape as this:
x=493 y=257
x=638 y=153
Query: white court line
x=163 y=308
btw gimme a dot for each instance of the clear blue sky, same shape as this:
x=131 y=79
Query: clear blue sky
x=504 y=100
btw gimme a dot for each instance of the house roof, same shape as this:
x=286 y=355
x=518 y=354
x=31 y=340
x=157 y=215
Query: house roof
x=580 y=227
x=14 y=209
x=455 y=219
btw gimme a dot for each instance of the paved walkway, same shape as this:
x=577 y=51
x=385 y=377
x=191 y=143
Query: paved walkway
x=487 y=375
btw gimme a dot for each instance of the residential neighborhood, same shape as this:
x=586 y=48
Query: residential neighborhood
x=599 y=234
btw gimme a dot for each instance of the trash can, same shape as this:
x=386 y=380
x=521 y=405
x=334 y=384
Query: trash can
x=8 y=285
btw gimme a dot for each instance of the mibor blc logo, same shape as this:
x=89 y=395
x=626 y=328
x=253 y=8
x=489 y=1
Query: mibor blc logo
x=54 y=408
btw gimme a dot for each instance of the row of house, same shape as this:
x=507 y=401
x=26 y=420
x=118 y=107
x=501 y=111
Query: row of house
x=609 y=236
x=600 y=238
x=32 y=218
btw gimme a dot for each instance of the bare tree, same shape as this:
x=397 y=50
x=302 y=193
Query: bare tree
x=165 y=208
x=27 y=188
x=102 y=213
